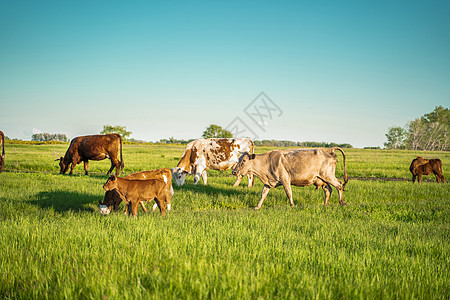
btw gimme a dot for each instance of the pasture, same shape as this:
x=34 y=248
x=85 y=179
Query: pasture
x=391 y=241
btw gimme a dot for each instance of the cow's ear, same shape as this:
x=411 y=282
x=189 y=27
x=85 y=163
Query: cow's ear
x=252 y=156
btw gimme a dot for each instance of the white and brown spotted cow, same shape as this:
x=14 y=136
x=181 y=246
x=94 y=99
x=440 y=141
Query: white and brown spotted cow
x=216 y=154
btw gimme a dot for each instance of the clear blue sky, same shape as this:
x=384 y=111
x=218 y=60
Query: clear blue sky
x=340 y=71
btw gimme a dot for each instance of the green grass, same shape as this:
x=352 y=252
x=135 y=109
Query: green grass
x=391 y=241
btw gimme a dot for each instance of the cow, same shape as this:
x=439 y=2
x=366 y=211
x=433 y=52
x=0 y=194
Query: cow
x=112 y=198
x=133 y=191
x=299 y=167
x=216 y=154
x=2 y=157
x=93 y=147
x=422 y=166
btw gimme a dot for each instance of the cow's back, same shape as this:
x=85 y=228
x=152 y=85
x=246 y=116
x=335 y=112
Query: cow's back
x=92 y=145
x=223 y=154
x=420 y=166
x=302 y=165
x=163 y=173
x=136 y=188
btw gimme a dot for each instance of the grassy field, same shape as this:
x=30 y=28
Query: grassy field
x=391 y=241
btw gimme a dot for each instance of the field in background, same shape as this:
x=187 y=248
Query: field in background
x=392 y=241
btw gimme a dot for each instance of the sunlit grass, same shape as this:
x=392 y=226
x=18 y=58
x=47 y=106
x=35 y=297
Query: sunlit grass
x=391 y=241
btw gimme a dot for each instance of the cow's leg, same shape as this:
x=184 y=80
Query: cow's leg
x=264 y=193
x=86 y=167
x=134 y=208
x=419 y=178
x=414 y=178
x=204 y=177
x=117 y=166
x=143 y=206
x=439 y=177
x=339 y=187
x=251 y=180
x=328 y=190
x=161 y=201
x=288 y=190
x=238 y=181
x=168 y=199
x=113 y=165
x=72 y=166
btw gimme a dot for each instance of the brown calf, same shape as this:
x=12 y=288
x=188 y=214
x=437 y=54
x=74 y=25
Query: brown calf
x=421 y=166
x=112 y=198
x=133 y=191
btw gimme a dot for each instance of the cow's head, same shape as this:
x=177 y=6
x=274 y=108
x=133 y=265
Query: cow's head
x=179 y=175
x=112 y=199
x=110 y=184
x=63 y=166
x=244 y=164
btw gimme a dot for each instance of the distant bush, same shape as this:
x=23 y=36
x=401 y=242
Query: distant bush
x=49 y=137
x=275 y=143
x=20 y=142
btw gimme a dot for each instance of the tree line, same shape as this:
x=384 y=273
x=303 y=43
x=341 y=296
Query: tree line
x=212 y=131
x=429 y=132
x=49 y=137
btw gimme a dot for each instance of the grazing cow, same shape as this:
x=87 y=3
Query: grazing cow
x=300 y=167
x=93 y=147
x=217 y=154
x=421 y=166
x=112 y=198
x=133 y=191
x=2 y=157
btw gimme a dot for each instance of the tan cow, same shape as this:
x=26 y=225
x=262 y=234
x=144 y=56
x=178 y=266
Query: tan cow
x=299 y=167
x=133 y=191
x=93 y=147
x=216 y=154
x=2 y=157
x=112 y=198
x=422 y=166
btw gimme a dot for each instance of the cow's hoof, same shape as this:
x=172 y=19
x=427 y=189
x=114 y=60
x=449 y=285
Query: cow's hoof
x=256 y=207
x=344 y=204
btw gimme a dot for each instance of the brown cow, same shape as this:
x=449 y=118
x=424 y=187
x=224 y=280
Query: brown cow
x=132 y=191
x=421 y=166
x=300 y=167
x=112 y=198
x=93 y=147
x=2 y=157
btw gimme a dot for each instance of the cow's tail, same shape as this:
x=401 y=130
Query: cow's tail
x=122 y=164
x=345 y=169
x=252 y=147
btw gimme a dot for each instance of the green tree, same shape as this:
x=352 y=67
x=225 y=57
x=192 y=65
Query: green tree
x=47 y=137
x=215 y=131
x=396 y=138
x=122 y=130
x=431 y=131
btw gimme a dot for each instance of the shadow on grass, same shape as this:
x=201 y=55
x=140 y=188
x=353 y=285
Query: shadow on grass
x=212 y=190
x=62 y=201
